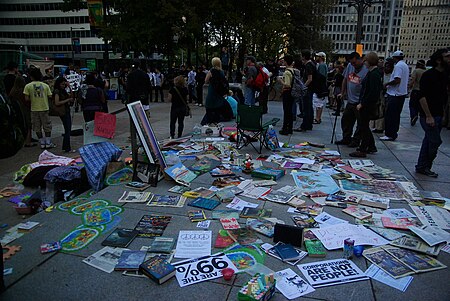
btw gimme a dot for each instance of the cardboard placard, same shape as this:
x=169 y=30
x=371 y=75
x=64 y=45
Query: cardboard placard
x=104 y=125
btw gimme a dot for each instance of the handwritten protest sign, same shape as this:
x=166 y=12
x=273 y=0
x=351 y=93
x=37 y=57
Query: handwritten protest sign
x=331 y=272
x=104 y=125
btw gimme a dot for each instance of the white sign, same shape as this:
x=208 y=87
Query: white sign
x=291 y=285
x=193 y=244
x=202 y=269
x=433 y=216
x=203 y=224
x=325 y=219
x=331 y=272
x=333 y=237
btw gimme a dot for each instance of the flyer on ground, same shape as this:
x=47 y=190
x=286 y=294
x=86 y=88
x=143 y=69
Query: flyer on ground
x=331 y=272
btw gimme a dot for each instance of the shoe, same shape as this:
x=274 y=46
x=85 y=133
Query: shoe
x=51 y=145
x=299 y=130
x=377 y=131
x=386 y=138
x=42 y=146
x=70 y=151
x=354 y=144
x=315 y=121
x=342 y=142
x=414 y=120
x=372 y=150
x=358 y=154
x=427 y=172
x=285 y=132
x=336 y=114
x=300 y=115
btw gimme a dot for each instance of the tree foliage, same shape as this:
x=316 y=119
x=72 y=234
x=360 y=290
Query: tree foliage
x=263 y=28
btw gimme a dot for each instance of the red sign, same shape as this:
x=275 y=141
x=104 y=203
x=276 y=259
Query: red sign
x=104 y=125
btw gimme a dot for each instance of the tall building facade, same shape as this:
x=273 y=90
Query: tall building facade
x=40 y=27
x=425 y=28
x=381 y=27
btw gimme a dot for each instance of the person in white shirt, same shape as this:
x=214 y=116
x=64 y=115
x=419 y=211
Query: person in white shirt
x=159 y=80
x=151 y=76
x=191 y=84
x=397 y=90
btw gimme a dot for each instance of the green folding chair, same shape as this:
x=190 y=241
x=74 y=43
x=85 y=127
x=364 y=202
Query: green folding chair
x=251 y=128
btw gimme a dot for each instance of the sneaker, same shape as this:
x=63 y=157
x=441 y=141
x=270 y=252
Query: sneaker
x=299 y=130
x=386 y=138
x=414 y=120
x=51 y=145
x=427 y=172
x=42 y=146
x=372 y=150
x=358 y=154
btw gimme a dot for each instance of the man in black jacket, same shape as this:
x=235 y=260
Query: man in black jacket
x=433 y=89
x=138 y=85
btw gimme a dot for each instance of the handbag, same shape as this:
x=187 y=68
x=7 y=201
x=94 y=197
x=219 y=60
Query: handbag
x=188 y=109
x=55 y=110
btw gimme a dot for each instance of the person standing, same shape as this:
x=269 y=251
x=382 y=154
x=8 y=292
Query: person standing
x=191 y=84
x=159 y=80
x=414 y=86
x=288 y=100
x=11 y=73
x=63 y=98
x=215 y=99
x=307 y=105
x=250 y=75
x=38 y=94
x=371 y=88
x=433 y=89
x=178 y=96
x=354 y=74
x=152 y=83
x=263 y=97
x=92 y=98
x=378 y=125
x=200 y=80
x=138 y=86
x=321 y=90
x=397 y=89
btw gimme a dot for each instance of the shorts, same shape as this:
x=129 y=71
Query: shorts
x=40 y=120
x=318 y=102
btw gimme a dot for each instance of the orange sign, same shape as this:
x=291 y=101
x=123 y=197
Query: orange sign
x=359 y=49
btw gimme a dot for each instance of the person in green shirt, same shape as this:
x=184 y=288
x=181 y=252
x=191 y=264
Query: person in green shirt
x=38 y=94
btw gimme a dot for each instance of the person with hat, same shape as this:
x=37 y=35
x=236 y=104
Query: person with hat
x=415 y=91
x=250 y=75
x=397 y=90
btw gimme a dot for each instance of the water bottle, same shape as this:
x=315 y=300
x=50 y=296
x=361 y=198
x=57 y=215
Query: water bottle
x=197 y=131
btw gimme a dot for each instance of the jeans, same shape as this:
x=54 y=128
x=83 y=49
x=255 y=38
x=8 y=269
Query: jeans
x=191 y=89
x=430 y=143
x=199 y=94
x=288 y=101
x=308 y=112
x=177 y=114
x=414 y=103
x=66 y=120
x=349 y=117
x=160 y=90
x=249 y=96
x=392 y=117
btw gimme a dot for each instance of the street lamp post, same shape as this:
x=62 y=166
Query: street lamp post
x=361 y=6
x=71 y=42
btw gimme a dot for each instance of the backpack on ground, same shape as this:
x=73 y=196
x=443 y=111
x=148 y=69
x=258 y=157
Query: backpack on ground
x=220 y=83
x=11 y=138
x=298 y=87
x=261 y=79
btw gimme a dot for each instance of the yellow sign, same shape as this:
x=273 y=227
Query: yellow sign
x=359 y=49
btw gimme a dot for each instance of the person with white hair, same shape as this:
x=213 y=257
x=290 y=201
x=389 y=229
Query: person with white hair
x=320 y=99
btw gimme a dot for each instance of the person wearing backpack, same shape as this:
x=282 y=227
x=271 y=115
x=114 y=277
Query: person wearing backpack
x=218 y=87
x=92 y=98
x=288 y=100
x=38 y=94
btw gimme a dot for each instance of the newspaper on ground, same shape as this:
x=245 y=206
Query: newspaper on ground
x=105 y=259
x=292 y=285
x=378 y=274
x=433 y=216
x=239 y=204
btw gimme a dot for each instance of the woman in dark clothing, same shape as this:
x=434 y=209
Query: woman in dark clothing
x=178 y=96
x=18 y=100
x=92 y=98
x=214 y=100
x=371 y=89
x=63 y=98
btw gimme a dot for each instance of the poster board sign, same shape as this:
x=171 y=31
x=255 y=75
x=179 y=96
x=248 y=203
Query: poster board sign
x=331 y=272
x=146 y=134
x=433 y=216
x=104 y=125
x=193 y=244
x=74 y=80
x=202 y=269
x=88 y=135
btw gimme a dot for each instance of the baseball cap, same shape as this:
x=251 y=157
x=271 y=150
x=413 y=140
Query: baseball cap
x=398 y=53
x=321 y=54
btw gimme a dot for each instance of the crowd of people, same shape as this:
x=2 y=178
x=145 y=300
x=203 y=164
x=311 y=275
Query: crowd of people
x=368 y=90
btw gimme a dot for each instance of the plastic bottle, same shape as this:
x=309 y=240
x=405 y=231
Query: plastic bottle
x=197 y=131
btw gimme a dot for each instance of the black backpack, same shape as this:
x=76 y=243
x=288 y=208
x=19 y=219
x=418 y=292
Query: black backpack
x=11 y=138
x=219 y=82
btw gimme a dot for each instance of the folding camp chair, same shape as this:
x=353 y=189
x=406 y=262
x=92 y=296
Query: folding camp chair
x=249 y=120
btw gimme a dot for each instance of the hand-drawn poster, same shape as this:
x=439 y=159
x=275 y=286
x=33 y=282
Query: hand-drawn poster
x=315 y=183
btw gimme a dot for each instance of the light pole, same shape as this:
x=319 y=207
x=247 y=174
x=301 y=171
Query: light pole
x=361 y=6
x=71 y=42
